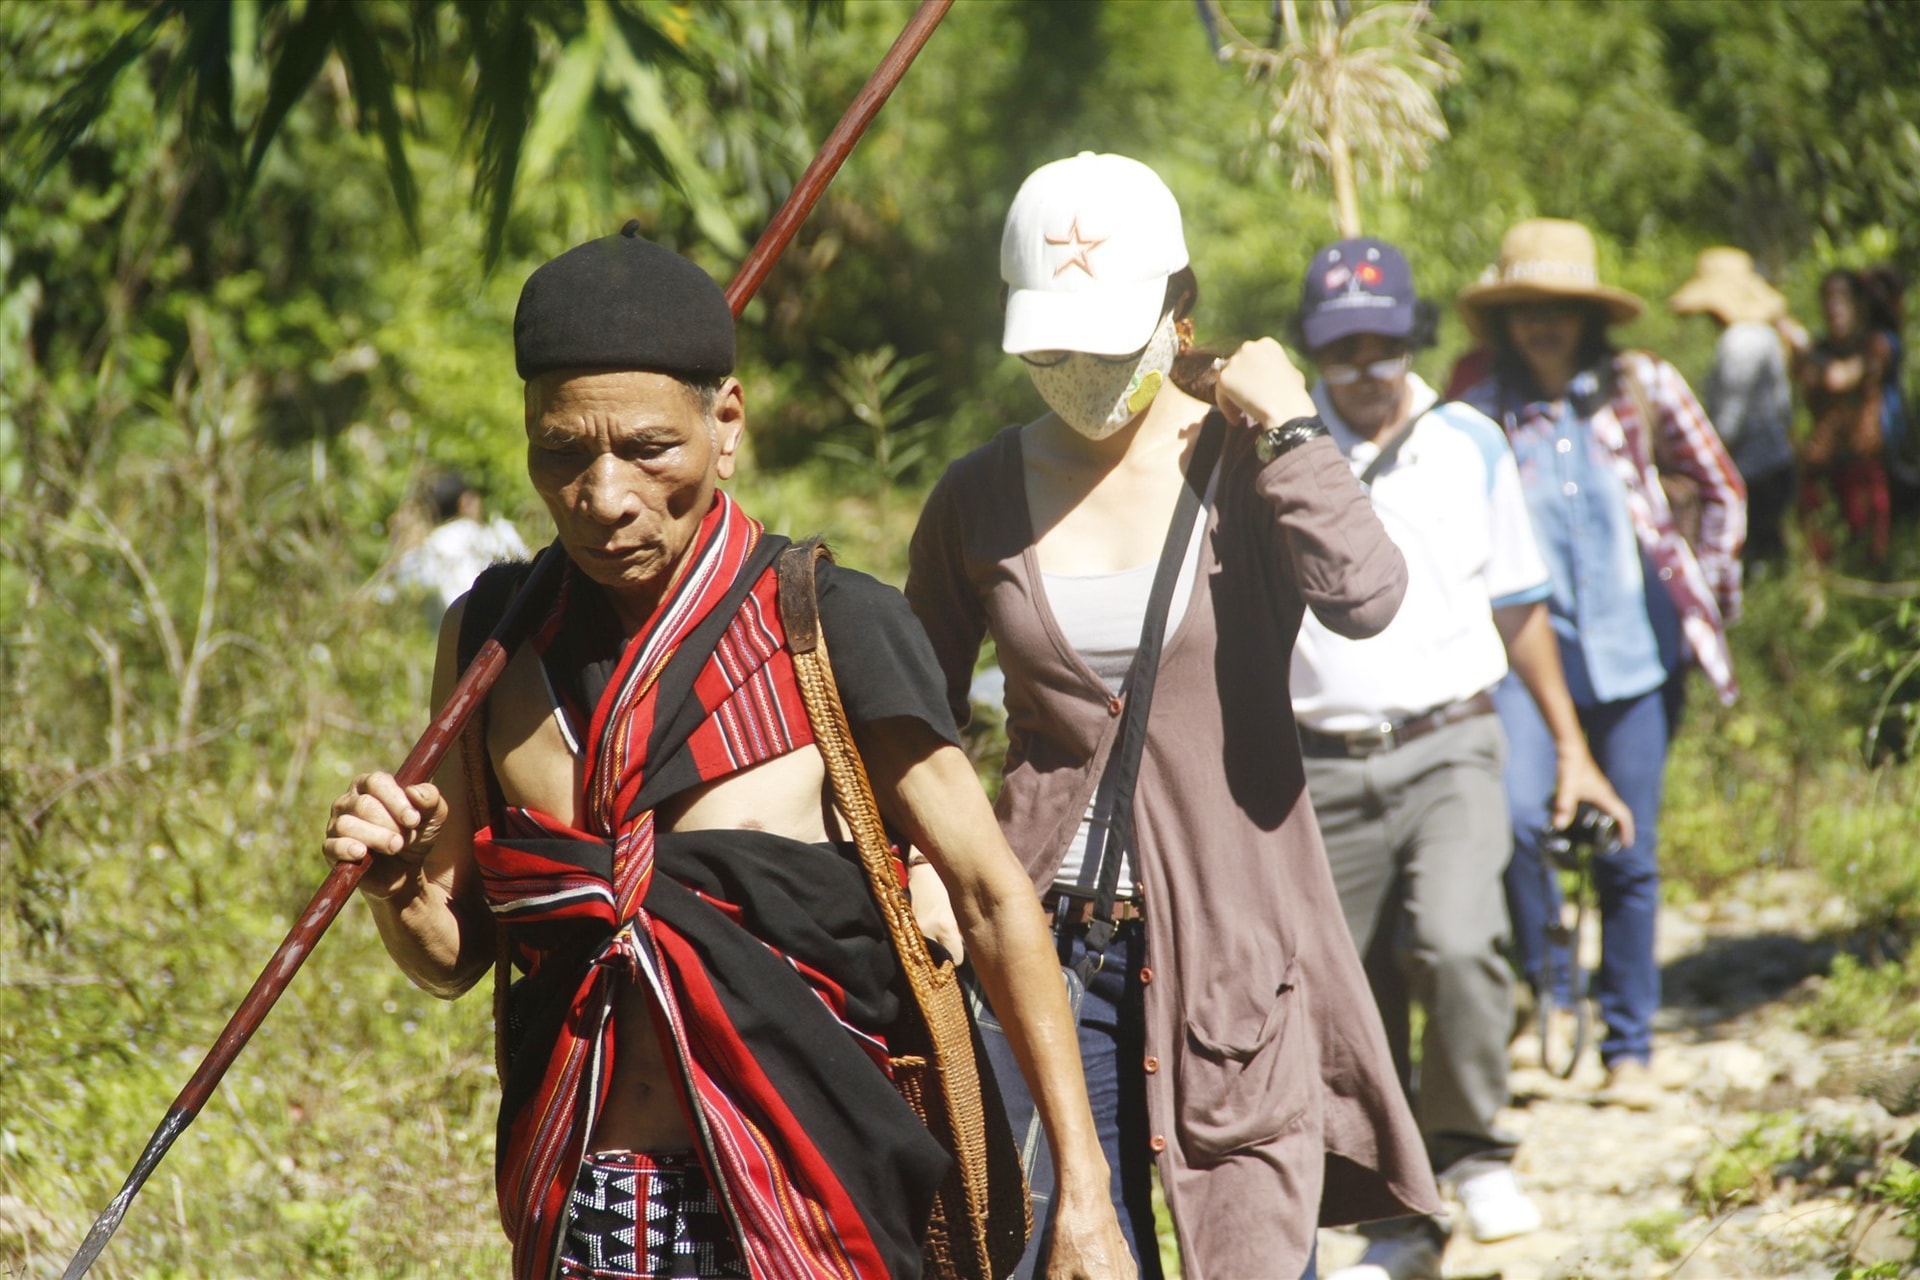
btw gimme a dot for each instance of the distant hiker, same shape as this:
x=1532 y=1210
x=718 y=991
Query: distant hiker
x=462 y=543
x=1749 y=395
x=1599 y=434
x=702 y=985
x=1843 y=378
x=1228 y=1036
x=1886 y=291
x=1403 y=749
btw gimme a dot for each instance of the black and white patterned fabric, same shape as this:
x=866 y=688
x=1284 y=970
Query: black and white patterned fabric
x=640 y=1216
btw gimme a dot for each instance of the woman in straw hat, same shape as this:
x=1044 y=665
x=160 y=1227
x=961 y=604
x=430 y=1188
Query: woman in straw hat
x=1749 y=394
x=1594 y=430
x=1228 y=1033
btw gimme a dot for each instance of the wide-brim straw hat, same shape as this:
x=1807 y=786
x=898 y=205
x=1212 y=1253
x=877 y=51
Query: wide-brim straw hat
x=1544 y=260
x=1724 y=284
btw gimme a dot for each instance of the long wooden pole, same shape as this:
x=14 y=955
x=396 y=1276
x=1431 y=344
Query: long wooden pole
x=478 y=679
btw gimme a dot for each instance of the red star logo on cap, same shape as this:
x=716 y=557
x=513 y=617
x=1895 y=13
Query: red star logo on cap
x=1081 y=246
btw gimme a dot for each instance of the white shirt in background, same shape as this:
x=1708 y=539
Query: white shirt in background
x=1451 y=501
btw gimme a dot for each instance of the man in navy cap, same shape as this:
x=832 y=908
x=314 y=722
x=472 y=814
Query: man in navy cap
x=1402 y=749
x=692 y=1045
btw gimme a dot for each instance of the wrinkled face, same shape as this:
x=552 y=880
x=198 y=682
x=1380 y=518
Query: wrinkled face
x=1366 y=378
x=1843 y=315
x=626 y=462
x=1547 y=334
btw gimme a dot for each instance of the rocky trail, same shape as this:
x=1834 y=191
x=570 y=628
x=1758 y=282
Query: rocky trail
x=1748 y=1163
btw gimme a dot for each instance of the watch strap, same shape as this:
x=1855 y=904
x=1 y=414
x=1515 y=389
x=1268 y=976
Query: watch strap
x=1279 y=441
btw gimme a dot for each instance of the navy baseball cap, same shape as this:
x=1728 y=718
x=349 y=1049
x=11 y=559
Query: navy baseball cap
x=1356 y=286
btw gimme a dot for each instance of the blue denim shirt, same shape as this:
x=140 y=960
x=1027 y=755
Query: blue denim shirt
x=1617 y=638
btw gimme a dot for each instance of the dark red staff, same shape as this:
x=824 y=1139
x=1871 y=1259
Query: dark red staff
x=478 y=678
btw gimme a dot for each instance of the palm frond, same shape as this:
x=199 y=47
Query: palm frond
x=205 y=61
x=302 y=51
x=644 y=110
x=1373 y=78
x=68 y=120
x=373 y=89
x=506 y=52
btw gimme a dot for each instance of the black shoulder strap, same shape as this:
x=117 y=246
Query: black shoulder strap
x=487 y=601
x=1385 y=457
x=1115 y=795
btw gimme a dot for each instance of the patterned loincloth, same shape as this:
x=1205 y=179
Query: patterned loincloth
x=639 y=1216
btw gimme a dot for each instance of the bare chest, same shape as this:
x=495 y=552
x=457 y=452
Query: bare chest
x=538 y=769
x=1092 y=523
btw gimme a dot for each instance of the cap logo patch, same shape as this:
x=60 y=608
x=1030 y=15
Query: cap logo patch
x=1335 y=277
x=1081 y=247
x=1369 y=275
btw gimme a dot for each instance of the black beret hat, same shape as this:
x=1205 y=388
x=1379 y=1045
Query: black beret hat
x=623 y=302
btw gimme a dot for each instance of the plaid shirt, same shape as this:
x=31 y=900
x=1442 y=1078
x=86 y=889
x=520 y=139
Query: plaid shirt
x=1703 y=580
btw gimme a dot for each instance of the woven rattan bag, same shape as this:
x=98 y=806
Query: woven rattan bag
x=981 y=1217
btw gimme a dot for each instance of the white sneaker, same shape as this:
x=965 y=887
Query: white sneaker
x=1414 y=1256
x=1495 y=1207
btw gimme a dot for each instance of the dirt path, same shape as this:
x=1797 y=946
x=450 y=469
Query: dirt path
x=1613 y=1184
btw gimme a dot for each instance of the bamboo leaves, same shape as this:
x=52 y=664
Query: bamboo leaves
x=541 y=76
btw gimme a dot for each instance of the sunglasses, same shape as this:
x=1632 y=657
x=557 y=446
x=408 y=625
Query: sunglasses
x=1048 y=359
x=1546 y=312
x=1345 y=375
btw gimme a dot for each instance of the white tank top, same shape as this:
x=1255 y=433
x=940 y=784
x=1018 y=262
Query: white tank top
x=1101 y=615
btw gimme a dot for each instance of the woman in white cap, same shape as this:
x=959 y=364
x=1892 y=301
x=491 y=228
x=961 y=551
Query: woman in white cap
x=1749 y=394
x=1227 y=1030
x=1600 y=436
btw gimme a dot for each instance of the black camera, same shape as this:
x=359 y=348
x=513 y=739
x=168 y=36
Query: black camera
x=1590 y=834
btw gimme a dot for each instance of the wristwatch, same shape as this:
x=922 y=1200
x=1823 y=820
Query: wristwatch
x=1285 y=438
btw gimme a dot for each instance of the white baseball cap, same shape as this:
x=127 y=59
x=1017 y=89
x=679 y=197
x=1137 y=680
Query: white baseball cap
x=1088 y=246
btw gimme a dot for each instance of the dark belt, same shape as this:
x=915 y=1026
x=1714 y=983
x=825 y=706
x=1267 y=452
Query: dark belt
x=1080 y=910
x=1362 y=743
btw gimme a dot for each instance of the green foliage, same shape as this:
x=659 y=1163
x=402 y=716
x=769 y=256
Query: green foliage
x=881 y=391
x=537 y=75
x=1660 y=1232
x=1743 y=1171
x=1898 y=1188
x=1785 y=777
x=1860 y=997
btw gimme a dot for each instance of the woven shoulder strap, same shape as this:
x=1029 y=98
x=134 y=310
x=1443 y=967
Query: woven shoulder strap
x=846 y=772
x=981 y=1218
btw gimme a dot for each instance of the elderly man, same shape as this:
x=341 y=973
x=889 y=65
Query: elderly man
x=690 y=1085
x=1403 y=749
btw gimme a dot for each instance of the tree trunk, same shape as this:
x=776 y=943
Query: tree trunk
x=1346 y=199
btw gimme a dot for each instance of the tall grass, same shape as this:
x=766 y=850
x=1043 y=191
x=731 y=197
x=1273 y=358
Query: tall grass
x=1809 y=768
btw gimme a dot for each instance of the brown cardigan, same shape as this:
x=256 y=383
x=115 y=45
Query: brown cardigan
x=1278 y=1084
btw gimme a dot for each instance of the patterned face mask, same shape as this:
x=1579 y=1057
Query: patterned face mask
x=1097 y=395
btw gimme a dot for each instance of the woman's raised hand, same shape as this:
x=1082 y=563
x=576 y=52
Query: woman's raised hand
x=1260 y=386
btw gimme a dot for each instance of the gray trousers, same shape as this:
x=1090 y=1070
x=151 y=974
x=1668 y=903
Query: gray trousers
x=1418 y=837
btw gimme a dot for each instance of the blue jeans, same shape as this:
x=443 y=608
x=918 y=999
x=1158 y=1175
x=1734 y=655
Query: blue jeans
x=1628 y=739
x=1113 y=1042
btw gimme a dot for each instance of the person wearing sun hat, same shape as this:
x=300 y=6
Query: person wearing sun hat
x=1749 y=395
x=1227 y=1031
x=1599 y=433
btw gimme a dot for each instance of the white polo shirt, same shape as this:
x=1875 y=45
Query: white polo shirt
x=1451 y=502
